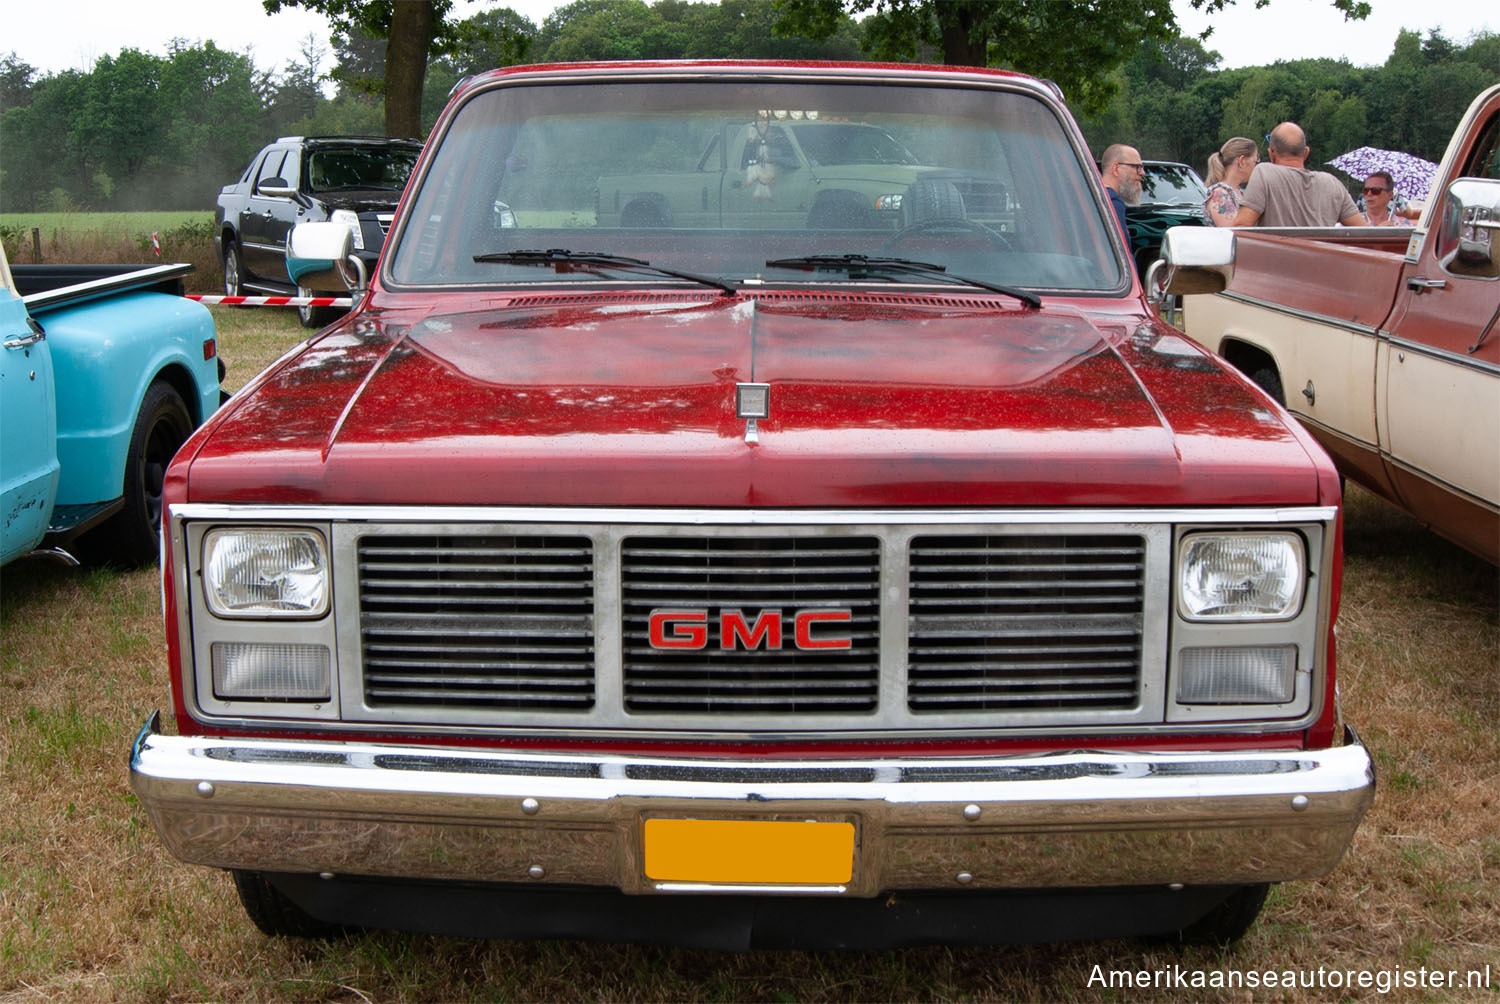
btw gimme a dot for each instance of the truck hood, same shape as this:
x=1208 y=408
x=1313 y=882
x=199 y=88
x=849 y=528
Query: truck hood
x=629 y=399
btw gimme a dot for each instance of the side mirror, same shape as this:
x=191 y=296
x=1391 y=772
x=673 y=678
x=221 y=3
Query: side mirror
x=321 y=256
x=1466 y=242
x=1193 y=260
x=275 y=187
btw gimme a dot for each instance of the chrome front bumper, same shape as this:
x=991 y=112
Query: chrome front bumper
x=1078 y=819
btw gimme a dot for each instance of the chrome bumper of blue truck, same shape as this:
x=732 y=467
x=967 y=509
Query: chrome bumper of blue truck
x=1075 y=819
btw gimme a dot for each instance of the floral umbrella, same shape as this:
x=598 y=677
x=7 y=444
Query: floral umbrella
x=1413 y=175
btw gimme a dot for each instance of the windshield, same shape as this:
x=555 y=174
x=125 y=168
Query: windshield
x=359 y=167
x=720 y=177
x=1172 y=185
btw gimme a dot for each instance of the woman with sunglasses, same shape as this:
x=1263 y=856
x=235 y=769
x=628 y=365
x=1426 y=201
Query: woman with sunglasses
x=1379 y=193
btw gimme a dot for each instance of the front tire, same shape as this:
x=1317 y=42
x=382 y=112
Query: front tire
x=234 y=268
x=315 y=317
x=276 y=915
x=1227 y=922
x=1268 y=380
x=132 y=536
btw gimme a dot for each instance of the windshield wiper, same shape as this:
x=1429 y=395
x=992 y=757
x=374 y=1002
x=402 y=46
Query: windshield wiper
x=563 y=259
x=863 y=265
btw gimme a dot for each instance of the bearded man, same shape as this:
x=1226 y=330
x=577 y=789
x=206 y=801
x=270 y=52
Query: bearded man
x=1122 y=171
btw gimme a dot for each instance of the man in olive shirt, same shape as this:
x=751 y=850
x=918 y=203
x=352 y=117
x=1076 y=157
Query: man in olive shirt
x=1284 y=193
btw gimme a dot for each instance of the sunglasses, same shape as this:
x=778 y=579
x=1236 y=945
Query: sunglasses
x=1375 y=191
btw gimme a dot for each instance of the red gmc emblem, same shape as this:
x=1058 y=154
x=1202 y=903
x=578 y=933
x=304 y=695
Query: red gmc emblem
x=687 y=630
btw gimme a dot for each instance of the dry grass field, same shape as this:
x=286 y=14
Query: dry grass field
x=93 y=909
x=116 y=238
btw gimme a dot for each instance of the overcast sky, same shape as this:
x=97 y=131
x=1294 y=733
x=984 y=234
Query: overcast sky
x=72 y=34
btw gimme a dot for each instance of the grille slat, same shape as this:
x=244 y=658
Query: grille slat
x=996 y=623
x=502 y=622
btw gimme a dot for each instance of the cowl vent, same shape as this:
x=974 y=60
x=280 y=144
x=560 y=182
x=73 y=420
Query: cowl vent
x=625 y=297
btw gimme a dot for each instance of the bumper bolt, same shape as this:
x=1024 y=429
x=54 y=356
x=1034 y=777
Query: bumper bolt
x=972 y=812
x=205 y=789
x=1300 y=803
x=964 y=878
x=537 y=871
x=326 y=876
x=530 y=806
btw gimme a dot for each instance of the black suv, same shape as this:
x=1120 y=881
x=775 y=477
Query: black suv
x=351 y=179
x=1172 y=195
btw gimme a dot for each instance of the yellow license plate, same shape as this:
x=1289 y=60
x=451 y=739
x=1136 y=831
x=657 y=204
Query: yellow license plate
x=763 y=851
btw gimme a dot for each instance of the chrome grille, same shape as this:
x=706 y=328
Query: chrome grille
x=983 y=199
x=500 y=622
x=1025 y=623
x=751 y=575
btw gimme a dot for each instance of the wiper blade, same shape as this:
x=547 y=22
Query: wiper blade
x=562 y=258
x=858 y=264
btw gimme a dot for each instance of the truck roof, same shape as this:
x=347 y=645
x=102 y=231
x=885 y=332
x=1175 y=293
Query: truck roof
x=748 y=67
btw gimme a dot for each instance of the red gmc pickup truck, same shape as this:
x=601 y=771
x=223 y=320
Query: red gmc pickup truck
x=895 y=579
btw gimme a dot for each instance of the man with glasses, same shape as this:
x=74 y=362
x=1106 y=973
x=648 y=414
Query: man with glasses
x=1122 y=171
x=1284 y=193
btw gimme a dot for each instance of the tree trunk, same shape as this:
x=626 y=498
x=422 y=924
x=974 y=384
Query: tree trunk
x=957 y=20
x=412 y=27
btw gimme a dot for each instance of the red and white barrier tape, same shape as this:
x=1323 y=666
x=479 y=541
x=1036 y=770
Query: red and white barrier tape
x=273 y=301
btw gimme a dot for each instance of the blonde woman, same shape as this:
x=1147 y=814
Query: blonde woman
x=1228 y=170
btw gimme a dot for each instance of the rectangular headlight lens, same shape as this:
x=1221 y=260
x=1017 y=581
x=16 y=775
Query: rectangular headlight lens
x=272 y=672
x=1241 y=576
x=265 y=573
x=1262 y=674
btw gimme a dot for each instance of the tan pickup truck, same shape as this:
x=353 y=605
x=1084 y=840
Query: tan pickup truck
x=1382 y=341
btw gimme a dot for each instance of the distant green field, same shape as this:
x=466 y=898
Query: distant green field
x=124 y=224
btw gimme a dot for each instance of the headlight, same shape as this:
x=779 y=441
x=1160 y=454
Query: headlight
x=1241 y=576
x=265 y=573
x=350 y=219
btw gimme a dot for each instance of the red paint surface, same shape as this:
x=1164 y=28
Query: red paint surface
x=875 y=401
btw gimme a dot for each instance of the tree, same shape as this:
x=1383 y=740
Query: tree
x=413 y=30
x=15 y=82
x=1073 y=42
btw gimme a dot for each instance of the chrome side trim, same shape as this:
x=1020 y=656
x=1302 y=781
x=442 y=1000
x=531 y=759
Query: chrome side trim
x=1028 y=821
x=1442 y=355
x=1307 y=315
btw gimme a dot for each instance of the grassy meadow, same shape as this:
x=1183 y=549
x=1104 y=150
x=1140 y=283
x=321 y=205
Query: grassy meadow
x=116 y=238
x=92 y=908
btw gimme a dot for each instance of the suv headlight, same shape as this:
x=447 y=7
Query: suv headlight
x=265 y=573
x=1256 y=576
x=350 y=219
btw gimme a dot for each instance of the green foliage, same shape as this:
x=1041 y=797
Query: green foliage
x=140 y=131
x=1173 y=104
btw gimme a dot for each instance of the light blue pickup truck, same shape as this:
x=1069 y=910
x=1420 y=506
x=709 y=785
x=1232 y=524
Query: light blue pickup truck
x=105 y=372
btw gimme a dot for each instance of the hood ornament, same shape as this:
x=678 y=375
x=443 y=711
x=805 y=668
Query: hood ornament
x=752 y=401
